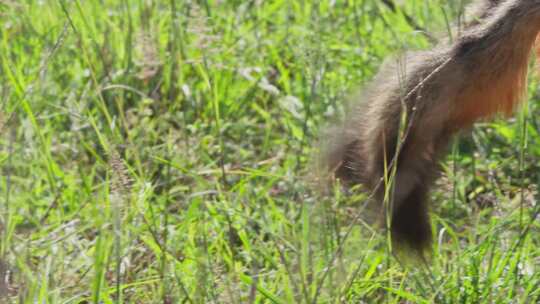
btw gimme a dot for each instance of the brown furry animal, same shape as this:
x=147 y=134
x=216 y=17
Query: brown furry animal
x=412 y=109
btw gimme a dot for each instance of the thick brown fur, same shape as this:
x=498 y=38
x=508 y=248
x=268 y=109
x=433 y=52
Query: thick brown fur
x=409 y=113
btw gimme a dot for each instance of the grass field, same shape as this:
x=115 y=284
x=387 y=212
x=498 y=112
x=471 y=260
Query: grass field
x=162 y=152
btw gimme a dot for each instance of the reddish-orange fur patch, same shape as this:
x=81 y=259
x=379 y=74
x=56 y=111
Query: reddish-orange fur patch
x=484 y=99
x=488 y=95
